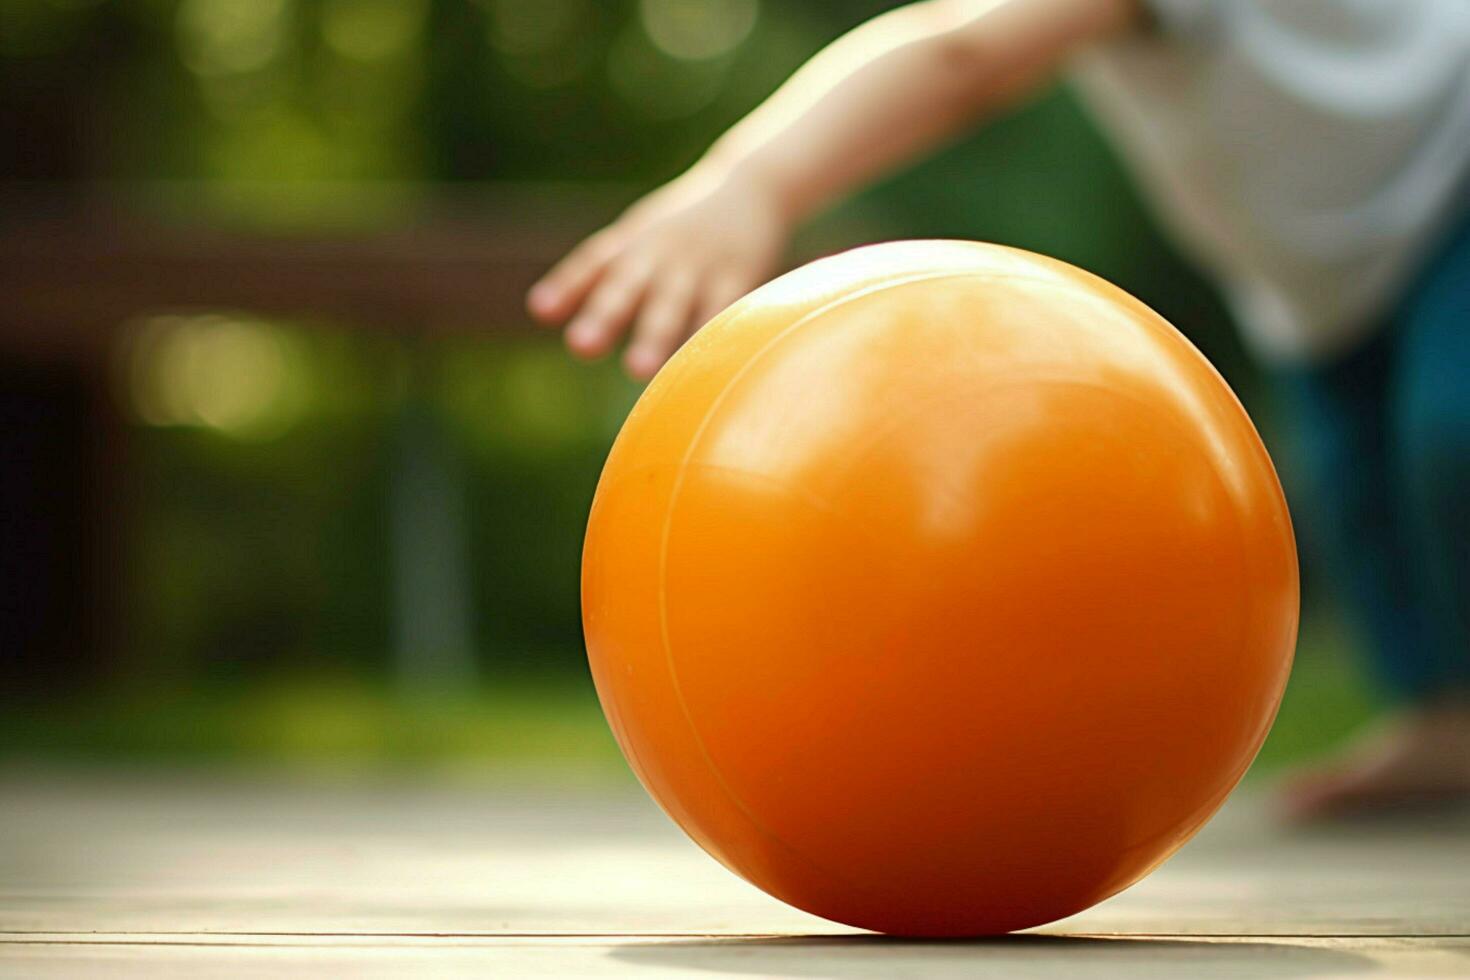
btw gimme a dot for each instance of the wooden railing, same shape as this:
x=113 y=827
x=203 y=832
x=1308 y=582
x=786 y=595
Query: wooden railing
x=76 y=264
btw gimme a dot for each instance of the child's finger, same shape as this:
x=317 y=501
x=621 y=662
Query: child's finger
x=556 y=295
x=662 y=324
x=606 y=314
x=721 y=293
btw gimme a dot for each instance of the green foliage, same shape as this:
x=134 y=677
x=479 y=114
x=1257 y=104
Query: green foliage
x=337 y=724
x=328 y=725
x=300 y=90
x=266 y=451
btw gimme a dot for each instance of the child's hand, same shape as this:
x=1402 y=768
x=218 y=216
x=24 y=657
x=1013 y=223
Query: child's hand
x=666 y=266
x=893 y=87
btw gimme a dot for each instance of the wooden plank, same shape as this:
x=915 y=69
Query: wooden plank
x=157 y=873
x=72 y=259
x=864 y=956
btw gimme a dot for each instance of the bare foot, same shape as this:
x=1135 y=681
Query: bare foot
x=1416 y=756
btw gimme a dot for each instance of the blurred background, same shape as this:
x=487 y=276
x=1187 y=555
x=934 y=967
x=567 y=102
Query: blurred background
x=287 y=477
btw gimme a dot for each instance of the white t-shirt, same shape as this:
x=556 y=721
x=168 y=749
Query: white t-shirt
x=1307 y=152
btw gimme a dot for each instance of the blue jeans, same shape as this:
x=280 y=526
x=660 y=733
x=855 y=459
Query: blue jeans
x=1384 y=438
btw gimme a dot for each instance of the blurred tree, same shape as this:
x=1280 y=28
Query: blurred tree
x=260 y=544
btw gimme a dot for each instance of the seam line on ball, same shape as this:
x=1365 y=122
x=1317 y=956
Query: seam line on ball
x=677 y=486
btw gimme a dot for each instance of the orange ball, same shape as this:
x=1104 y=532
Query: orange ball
x=940 y=589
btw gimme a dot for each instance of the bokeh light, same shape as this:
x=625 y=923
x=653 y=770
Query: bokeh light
x=220 y=37
x=542 y=45
x=698 y=29
x=659 y=86
x=518 y=27
x=239 y=376
x=372 y=30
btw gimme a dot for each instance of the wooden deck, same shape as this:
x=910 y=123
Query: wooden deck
x=154 y=875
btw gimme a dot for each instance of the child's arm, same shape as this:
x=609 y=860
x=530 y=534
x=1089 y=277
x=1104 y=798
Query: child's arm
x=878 y=96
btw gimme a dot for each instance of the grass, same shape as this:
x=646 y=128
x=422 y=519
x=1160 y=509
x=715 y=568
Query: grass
x=533 y=725
x=339 y=726
x=1326 y=699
